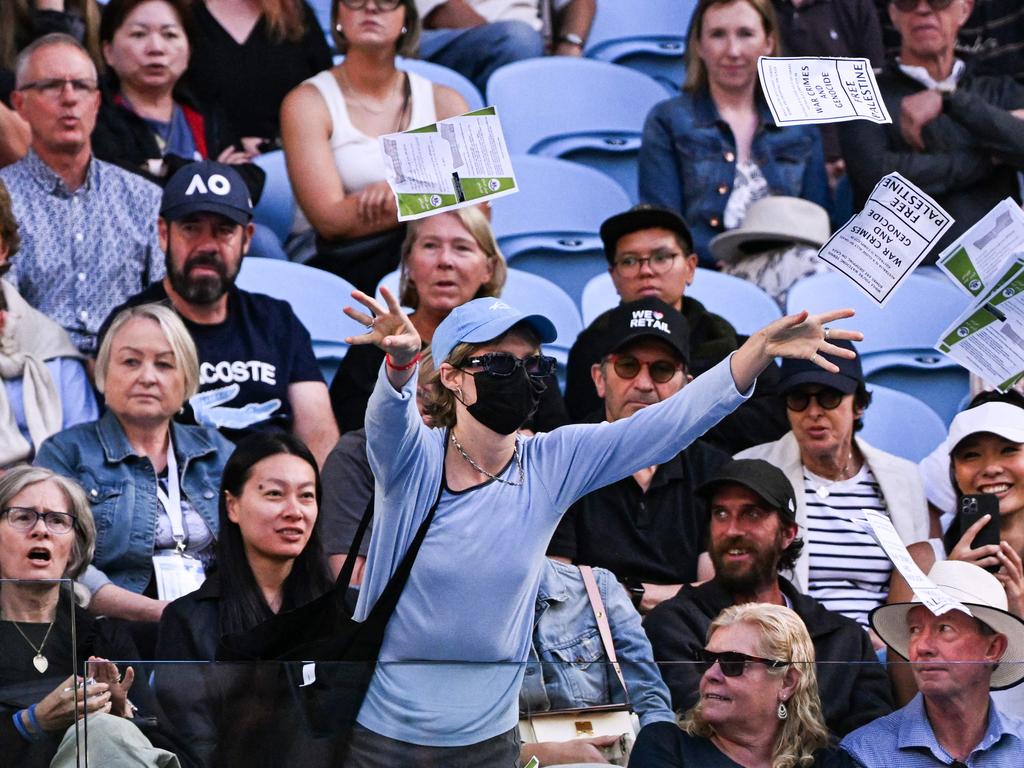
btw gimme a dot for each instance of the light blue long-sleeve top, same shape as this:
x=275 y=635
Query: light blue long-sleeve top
x=467 y=609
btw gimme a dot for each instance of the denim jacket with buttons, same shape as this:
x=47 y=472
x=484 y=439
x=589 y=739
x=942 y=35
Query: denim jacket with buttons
x=688 y=162
x=121 y=487
x=568 y=667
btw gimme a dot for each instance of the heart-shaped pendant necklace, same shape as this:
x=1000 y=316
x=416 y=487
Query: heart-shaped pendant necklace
x=40 y=662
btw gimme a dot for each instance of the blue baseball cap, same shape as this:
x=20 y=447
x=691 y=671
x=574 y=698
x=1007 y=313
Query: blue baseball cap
x=481 y=320
x=207 y=187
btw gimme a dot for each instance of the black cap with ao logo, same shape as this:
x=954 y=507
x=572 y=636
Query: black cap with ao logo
x=640 y=217
x=207 y=187
x=766 y=480
x=647 y=318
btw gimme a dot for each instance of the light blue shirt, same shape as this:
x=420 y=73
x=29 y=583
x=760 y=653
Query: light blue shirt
x=466 y=614
x=77 y=402
x=905 y=739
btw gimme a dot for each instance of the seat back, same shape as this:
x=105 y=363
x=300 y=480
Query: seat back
x=649 y=37
x=588 y=111
x=276 y=208
x=441 y=75
x=901 y=424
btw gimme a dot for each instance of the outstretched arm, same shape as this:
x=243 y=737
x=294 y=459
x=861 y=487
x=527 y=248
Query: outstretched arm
x=391 y=330
x=801 y=336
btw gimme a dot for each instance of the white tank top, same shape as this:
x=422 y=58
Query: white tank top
x=356 y=155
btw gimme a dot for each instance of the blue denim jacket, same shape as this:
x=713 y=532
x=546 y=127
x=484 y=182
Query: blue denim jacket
x=567 y=666
x=122 y=489
x=688 y=162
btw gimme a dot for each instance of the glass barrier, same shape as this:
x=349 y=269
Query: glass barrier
x=251 y=714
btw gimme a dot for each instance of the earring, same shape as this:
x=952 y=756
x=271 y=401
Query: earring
x=338 y=29
x=783 y=713
x=405 y=30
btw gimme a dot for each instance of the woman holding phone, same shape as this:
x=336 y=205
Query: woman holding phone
x=489 y=500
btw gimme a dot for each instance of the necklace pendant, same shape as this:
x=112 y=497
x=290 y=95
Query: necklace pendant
x=822 y=492
x=41 y=663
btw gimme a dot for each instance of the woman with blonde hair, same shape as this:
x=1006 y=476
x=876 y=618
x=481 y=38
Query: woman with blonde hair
x=759 y=703
x=152 y=483
x=447 y=260
x=715 y=149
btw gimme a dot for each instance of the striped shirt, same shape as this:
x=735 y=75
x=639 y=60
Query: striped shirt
x=849 y=572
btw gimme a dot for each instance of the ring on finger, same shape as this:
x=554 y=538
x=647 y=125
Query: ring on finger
x=814 y=358
x=828 y=333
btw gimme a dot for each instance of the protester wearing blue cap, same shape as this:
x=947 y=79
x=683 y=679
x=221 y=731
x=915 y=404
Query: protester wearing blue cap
x=493 y=499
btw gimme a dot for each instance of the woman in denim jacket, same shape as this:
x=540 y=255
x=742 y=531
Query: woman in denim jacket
x=568 y=667
x=147 y=367
x=714 y=149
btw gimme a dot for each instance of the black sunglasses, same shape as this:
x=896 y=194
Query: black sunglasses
x=384 y=5
x=505 y=364
x=660 y=371
x=827 y=397
x=732 y=663
x=909 y=5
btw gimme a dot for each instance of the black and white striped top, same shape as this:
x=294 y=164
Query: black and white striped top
x=849 y=572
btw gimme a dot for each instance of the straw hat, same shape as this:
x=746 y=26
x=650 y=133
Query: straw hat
x=982 y=593
x=773 y=222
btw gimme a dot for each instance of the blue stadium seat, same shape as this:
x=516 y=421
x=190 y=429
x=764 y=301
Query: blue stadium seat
x=648 y=36
x=532 y=294
x=898 y=347
x=322 y=9
x=901 y=424
x=743 y=304
x=550 y=226
x=276 y=208
x=316 y=297
x=436 y=73
x=583 y=110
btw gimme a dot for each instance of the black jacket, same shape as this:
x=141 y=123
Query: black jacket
x=852 y=694
x=974 y=147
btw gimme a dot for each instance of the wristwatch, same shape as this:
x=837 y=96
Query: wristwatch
x=636 y=591
x=572 y=38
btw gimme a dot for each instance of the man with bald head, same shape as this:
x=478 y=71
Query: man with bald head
x=88 y=229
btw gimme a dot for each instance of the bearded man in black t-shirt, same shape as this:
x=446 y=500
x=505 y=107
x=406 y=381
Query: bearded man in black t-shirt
x=256 y=363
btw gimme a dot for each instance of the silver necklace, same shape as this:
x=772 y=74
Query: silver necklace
x=40 y=662
x=823 y=490
x=359 y=98
x=482 y=471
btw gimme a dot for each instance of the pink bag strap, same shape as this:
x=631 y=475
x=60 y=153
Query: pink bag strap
x=597 y=604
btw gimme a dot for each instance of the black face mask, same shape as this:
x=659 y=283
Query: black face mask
x=504 y=403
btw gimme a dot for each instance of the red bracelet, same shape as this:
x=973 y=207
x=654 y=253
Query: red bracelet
x=405 y=367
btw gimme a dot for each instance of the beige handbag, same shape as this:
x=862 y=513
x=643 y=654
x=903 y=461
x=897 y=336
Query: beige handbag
x=586 y=722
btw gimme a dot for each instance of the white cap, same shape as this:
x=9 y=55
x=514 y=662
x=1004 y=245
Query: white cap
x=1002 y=419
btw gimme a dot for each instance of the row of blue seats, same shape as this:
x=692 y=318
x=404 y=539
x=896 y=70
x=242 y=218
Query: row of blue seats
x=913 y=384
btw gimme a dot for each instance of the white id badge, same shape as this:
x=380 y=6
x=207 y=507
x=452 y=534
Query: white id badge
x=177 y=575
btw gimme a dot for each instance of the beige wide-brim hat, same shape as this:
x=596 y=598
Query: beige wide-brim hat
x=774 y=219
x=982 y=593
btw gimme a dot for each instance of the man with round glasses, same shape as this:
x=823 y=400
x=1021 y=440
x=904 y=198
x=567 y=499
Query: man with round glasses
x=838 y=475
x=648 y=529
x=650 y=255
x=956 y=134
x=89 y=237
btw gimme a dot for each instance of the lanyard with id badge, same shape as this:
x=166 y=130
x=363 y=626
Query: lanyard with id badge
x=177 y=573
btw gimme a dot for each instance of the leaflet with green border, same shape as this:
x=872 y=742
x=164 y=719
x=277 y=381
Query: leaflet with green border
x=980 y=253
x=449 y=164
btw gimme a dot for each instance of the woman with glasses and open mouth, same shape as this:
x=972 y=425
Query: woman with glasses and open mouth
x=840 y=474
x=489 y=500
x=758 y=701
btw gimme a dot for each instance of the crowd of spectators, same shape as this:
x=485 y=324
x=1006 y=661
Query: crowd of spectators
x=677 y=531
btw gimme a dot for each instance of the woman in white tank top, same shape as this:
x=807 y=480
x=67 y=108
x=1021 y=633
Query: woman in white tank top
x=330 y=125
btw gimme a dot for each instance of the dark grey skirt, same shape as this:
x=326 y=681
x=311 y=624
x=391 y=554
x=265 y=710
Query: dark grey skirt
x=371 y=750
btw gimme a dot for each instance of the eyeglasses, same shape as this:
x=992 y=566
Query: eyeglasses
x=25 y=519
x=53 y=87
x=384 y=5
x=659 y=262
x=732 y=663
x=505 y=364
x=909 y=5
x=827 y=397
x=660 y=371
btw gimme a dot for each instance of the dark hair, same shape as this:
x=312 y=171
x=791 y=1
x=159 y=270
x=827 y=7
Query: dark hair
x=861 y=401
x=242 y=605
x=408 y=42
x=116 y=11
x=789 y=556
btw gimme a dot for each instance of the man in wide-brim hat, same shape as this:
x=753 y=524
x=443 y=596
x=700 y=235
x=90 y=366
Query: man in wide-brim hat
x=957 y=658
